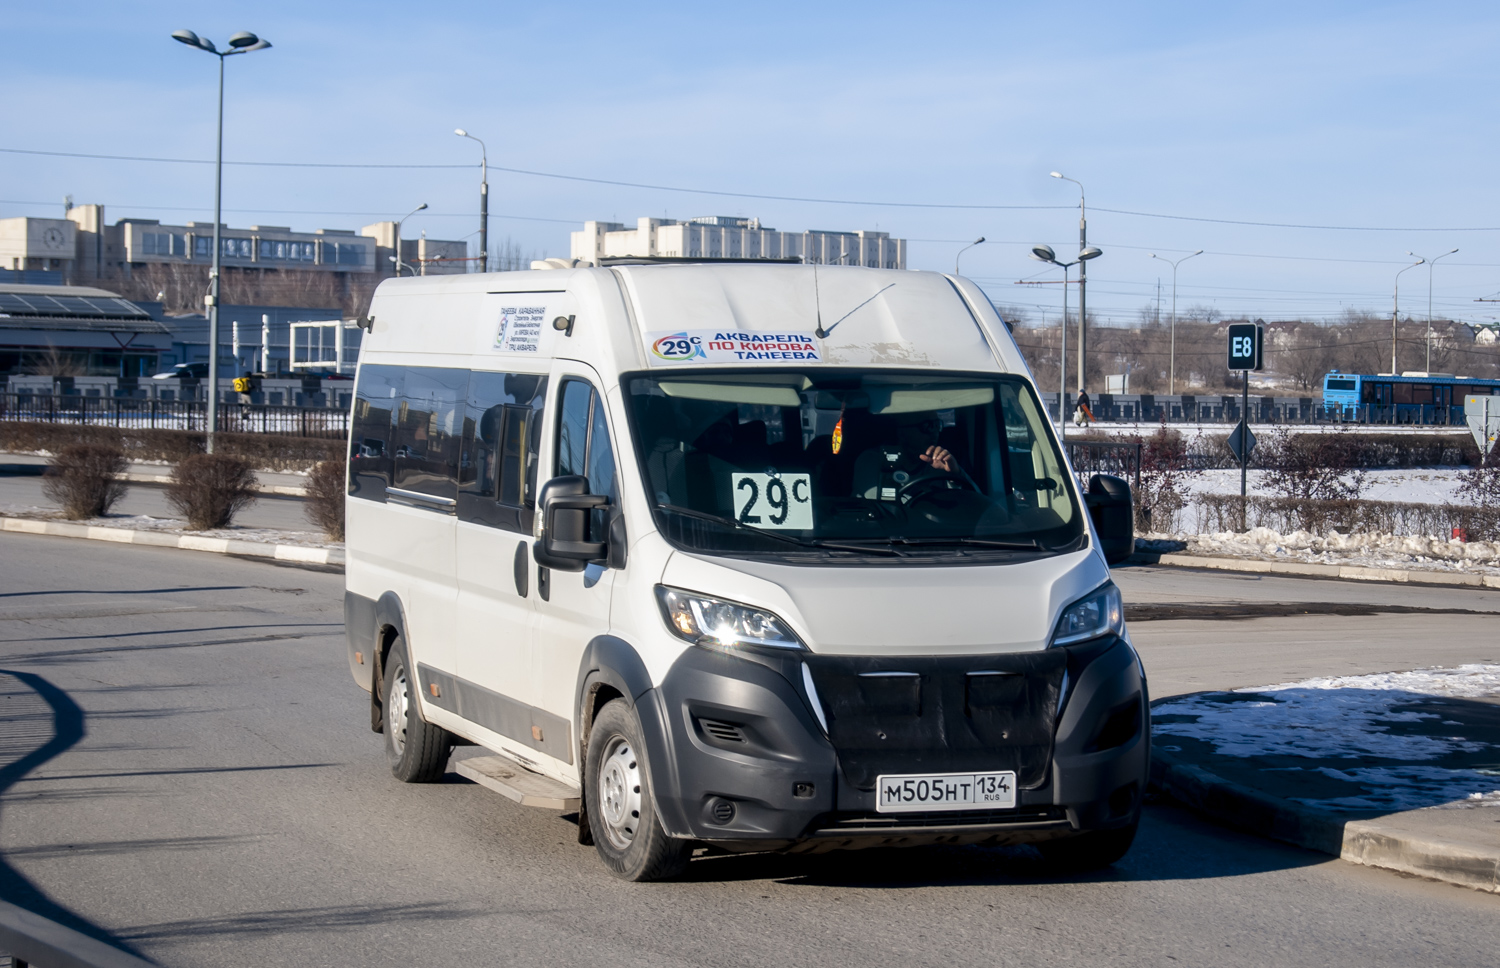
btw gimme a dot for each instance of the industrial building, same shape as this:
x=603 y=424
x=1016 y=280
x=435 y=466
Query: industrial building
x=728 y=237
x=81 y=247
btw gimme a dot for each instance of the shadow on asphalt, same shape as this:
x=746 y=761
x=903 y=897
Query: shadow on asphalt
x=1173 y=844
x=67 y=728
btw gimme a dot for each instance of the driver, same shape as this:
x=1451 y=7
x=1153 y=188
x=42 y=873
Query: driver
x=880 y=472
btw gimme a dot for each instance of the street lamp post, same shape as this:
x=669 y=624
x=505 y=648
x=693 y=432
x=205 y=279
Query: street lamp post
x=397 y=241
x=1172 y=354
x=962 y=251
x=484 y=200
x=241 y=43
x=1083 y=280
x=1044 y=253
x=1430 y=263
x=1396 y=310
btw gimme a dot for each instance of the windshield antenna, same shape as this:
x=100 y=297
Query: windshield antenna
x=818 y=303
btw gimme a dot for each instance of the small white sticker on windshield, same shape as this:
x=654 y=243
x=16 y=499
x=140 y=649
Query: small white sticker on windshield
x=773 y=500
x=715 y=346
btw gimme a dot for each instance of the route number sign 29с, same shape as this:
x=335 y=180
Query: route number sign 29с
x=773 y=501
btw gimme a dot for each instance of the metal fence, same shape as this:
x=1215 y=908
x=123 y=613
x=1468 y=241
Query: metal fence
x=1227 y=409
x=1106 y=457
x=128 y=414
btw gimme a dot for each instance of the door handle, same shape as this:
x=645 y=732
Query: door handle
x=522 y=569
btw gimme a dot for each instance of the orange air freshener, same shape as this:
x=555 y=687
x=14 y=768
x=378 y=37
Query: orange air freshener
x=838 y=432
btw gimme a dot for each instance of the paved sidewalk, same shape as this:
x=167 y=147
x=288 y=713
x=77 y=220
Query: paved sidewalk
x=1396 y=770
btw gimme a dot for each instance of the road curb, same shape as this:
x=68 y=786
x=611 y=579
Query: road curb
x=284 y=490
x=298 y=554
x=1308 y=569
x=1368 y=842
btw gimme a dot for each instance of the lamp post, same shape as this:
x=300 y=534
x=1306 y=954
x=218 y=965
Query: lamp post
x=397 y=257
x=1083 y=279
x=1396 y=310
x=1430 y=263
x=241 y=43
x=1044 y=253
x=484 y=200
x=1172 y=355
x=962 y=251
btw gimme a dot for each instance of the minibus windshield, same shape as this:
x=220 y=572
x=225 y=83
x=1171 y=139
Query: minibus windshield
x=836 y=462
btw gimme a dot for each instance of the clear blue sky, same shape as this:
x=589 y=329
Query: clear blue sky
x=1328 y=114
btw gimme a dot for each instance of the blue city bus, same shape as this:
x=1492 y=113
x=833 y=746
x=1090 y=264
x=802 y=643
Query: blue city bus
x=1382 y=398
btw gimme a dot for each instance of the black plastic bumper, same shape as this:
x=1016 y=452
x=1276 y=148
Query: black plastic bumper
x=741 y=760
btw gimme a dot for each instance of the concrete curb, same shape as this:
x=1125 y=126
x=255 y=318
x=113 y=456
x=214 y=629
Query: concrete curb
x=1369 y=842
x=1307 y=569
x=299 y=554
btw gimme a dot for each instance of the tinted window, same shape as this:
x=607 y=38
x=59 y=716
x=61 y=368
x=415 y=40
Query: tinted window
x=573 y=428
x=1340 y=384
x=427 y=431
x=371 y=436
x=502 y=436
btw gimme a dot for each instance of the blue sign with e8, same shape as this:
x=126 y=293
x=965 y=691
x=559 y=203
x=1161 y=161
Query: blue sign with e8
x=1245 y=342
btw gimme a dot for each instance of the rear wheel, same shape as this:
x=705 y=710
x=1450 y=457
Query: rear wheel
x=1090 y=851
x=416 y=749
x=621 y=812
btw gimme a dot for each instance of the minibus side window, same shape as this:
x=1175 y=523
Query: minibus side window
x=502 y=437
x=427 y=431
x=583 y=448
x=372 y=433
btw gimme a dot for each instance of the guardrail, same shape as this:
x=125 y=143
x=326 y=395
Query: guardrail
x=131 y=414
x=35 y=941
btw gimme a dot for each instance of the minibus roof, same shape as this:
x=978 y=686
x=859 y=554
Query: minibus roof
x=740 y=315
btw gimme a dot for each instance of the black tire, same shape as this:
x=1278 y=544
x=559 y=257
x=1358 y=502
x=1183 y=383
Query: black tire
x=621 y=811
x=416 y=749
x=1090 y=851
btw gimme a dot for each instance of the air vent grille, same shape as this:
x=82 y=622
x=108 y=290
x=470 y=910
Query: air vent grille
x=723 y=732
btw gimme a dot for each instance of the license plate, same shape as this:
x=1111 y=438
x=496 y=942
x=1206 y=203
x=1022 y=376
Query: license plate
x=945 y=791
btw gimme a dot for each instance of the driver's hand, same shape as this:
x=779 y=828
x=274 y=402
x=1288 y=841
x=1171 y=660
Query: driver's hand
x=939 y=458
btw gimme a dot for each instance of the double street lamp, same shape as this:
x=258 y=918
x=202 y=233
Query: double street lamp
x=1044 y=253
x=1172 y=355
x=396 y=242
x=1430 y=262
x=1083 y=280
x=484 y=200
x=241 y=43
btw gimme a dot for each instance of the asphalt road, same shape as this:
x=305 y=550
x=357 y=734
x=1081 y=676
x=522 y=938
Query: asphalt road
x=211 y=795
x=268 y=511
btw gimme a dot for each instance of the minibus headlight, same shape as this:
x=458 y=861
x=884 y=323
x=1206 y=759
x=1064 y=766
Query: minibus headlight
x=712 y=621
x=1099 y=613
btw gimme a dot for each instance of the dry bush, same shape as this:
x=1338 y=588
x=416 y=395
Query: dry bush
x=1323 y=467
x=85 y=480
x=210 y=489
x=1222 y=512
x=271 y=452
x=325 y=498
x=1481 y=484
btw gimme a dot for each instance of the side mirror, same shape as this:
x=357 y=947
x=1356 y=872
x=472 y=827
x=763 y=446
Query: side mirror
x=566 y=506
x=1112 y=511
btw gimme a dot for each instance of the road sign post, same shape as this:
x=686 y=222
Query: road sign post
x=1246 y=344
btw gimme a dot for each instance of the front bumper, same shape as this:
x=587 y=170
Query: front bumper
x=741 y=760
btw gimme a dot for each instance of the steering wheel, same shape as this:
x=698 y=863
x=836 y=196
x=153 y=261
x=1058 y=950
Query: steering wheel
x=932 y=479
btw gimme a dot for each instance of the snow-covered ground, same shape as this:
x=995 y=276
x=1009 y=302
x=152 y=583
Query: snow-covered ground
x=177 y=526
x=1418 y=486
x=1365 y=550
x=1340 y=725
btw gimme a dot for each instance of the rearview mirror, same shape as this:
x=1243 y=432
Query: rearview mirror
x=1113 y=513
x=566 y=507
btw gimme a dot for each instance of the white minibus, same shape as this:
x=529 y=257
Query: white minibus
x=740 y=556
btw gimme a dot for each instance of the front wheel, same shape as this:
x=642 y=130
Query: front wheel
x=416 y=749
x=1090 y=851
x=621 y=813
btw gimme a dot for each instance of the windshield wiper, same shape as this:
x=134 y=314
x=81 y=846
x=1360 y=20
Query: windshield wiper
x=789 y=539
x=1020 y=544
